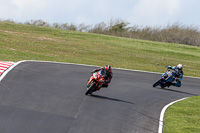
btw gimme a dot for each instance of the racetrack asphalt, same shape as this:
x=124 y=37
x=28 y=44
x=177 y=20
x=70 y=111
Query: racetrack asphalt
x=44 y=97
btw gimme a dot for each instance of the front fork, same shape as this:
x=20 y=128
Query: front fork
x=97 y=86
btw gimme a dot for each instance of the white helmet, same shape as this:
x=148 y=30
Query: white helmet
x=179 y=66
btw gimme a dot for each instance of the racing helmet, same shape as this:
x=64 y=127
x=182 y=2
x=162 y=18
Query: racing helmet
x=108 y=67
x=179 y=66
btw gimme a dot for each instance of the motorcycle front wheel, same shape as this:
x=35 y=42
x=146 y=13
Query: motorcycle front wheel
x=157 y=83
x=91 y=88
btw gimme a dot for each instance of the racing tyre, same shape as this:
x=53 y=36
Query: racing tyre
x=156 y=83
x=91 y=88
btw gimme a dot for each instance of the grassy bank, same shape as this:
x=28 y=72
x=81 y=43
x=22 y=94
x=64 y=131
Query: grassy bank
x=23 y=42
x=183 y=117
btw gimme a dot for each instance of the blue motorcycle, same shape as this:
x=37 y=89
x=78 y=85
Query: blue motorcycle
x=166 y=79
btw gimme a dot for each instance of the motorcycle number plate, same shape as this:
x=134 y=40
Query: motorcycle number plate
x=169 y=74
x=95 y=75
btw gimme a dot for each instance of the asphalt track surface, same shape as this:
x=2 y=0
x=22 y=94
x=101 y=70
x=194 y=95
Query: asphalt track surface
x=43 y=97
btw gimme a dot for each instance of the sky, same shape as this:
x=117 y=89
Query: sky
x=91 y=12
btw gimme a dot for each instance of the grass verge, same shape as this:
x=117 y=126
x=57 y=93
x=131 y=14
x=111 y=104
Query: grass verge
x=183 y=117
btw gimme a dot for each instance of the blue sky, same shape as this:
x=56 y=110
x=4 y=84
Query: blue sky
x=91 y=12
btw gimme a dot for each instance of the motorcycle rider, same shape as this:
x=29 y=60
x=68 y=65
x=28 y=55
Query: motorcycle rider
x=108 y=76
x=178 y=74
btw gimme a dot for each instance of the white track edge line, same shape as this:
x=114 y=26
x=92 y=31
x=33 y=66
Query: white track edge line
x=3 y=75
x=9 y=69
x=96 y=66
x=161 y=120
x=101 y=66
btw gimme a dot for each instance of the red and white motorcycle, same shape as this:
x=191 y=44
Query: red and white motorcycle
x=96 y=81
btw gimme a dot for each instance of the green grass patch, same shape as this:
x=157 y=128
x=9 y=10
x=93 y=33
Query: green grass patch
x=183 y=117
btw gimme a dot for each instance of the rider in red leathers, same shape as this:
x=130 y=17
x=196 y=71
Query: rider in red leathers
x=108 y=76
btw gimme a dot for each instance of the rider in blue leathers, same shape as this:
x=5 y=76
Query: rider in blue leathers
x=179 y=74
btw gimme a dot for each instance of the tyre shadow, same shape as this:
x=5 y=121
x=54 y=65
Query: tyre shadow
x=109 y=98
x=177 y=91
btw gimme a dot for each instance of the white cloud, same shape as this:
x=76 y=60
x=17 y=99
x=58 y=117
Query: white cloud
x=24 y=4
x=101 y=7
x=173 y=9
x=72 y=5
x=154 y=11
x=173 y=6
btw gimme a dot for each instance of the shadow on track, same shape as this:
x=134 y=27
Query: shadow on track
x=109 y=98
x=167 y=89
x=131 y=108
